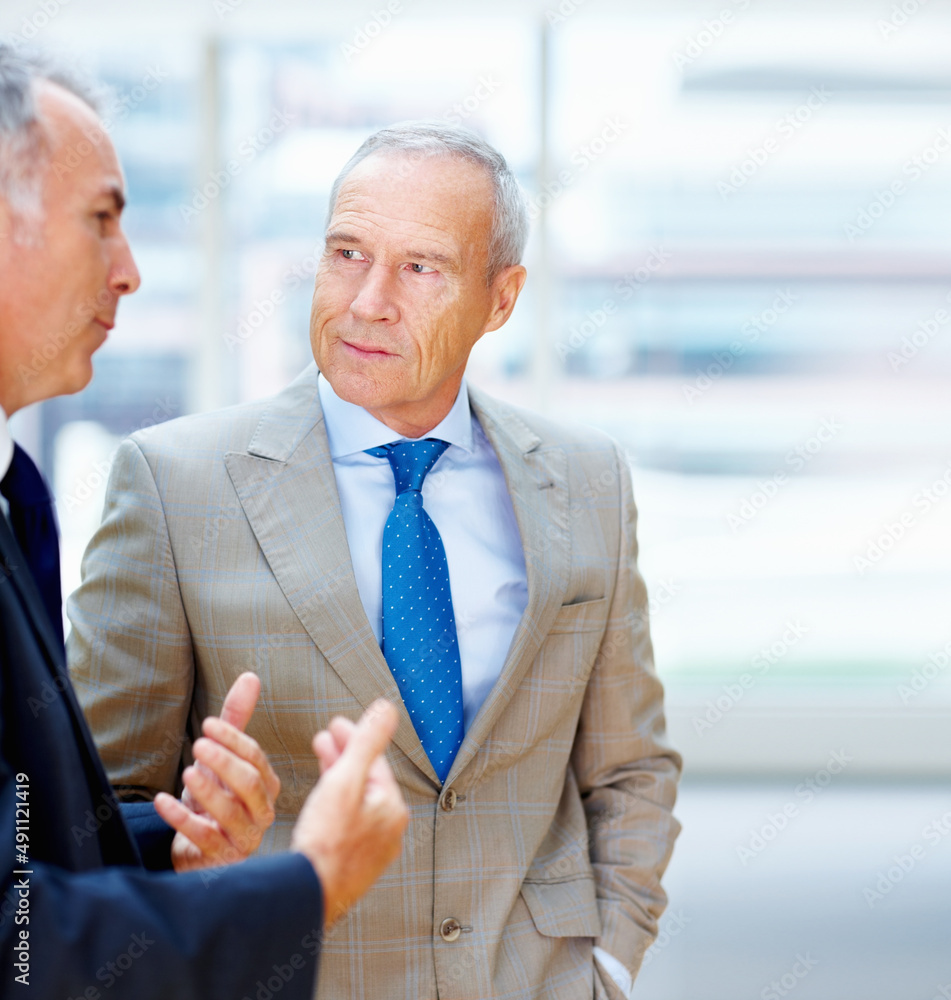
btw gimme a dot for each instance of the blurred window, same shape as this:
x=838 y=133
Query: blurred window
x=749 y=274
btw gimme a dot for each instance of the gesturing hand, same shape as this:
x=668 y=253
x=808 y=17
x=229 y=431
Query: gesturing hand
x=352 y=824
x=230 y=791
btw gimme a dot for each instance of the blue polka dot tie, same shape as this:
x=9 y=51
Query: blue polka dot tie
x=419 y=629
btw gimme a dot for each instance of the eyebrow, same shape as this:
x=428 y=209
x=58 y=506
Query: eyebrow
x=117 y=196
x=430 y=256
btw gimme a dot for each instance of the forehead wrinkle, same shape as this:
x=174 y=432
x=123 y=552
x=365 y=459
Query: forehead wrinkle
x=346 y=229
x=383 y=218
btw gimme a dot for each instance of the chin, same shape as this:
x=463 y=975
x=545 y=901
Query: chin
x=76 y=377
x=357 y=388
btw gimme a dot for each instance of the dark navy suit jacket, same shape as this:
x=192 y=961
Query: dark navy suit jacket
x=86 y=919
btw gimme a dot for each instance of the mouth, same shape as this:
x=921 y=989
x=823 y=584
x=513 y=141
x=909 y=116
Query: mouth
x=366 y=350
x=106 y=324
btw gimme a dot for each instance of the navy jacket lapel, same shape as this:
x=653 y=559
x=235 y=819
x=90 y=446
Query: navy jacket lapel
x=15 y=569
x=117 y=846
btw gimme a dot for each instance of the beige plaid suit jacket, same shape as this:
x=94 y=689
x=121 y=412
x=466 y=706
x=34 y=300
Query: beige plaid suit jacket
x=222 y=549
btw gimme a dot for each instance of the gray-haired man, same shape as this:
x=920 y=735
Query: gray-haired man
x=383 y=528
x=79 y=913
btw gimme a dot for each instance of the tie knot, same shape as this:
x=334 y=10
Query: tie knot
x=23 y=485
x=410 y=461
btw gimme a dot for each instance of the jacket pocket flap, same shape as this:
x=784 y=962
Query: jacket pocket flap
x=563 y=909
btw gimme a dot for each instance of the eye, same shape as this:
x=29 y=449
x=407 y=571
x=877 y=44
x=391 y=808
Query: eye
x=352 y=255
x=106 y=220
x=422 y=269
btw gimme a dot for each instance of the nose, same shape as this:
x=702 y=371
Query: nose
x=124 y=276
x=374 y=299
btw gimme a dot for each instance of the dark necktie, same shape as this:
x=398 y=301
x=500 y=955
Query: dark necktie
x=419 y=628
x=33 y=520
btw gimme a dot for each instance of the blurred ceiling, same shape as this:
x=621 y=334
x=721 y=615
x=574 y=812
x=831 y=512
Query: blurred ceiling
x=72 y=22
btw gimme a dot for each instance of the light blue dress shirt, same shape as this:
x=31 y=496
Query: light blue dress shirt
x=6 y=456
x=466 y=496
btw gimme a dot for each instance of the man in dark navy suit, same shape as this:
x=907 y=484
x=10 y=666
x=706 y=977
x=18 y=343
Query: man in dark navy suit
x=80 y=914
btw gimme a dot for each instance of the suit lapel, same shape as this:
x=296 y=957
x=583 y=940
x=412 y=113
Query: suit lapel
x=116 y=842
x=286 y=486
x=537 y=480
x=15 y=568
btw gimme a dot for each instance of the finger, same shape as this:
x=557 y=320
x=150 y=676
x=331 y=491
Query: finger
x=330 y=743
x=385 y=799
x=223 y=820
x=170 y=809
x=382 y=794
x=245 y=747
x=221 y=811
x=381 y=773
x=326 y=749
x=240 y=700
x=203 y=833
x=230 y=784
x=187 y=801
x=369 y=739
x=341 y=730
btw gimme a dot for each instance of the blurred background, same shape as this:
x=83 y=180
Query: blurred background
x=741 y=268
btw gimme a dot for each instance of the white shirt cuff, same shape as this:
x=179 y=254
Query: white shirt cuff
x=616 y=971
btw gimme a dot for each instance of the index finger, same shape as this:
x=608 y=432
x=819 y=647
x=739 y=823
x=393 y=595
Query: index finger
x=244 y=748
x=240 y=700
x=370 y=738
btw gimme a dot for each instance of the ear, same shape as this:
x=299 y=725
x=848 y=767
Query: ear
x=505 y=291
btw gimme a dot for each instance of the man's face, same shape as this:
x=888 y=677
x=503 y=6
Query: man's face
x=401 y=295
x=59 y=290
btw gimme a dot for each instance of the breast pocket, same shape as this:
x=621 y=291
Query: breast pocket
x=587 y=616
x=572 y=643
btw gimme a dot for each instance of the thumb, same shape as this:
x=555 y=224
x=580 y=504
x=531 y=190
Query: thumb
x=370 y=738
x=240 y=701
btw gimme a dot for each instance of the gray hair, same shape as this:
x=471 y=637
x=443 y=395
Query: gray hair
x=24 y=143
x=423 y=139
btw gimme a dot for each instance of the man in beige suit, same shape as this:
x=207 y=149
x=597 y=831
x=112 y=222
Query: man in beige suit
x=535 y=767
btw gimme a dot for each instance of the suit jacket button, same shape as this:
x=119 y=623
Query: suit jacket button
x=448 y=800
x=450 y=929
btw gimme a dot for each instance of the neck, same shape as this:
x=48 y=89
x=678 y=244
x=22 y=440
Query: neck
x=8 y=402
x=408 y=428
x=416 y=420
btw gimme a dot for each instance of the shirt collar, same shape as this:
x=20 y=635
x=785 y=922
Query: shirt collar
x=351 y=430
x=6 y=444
